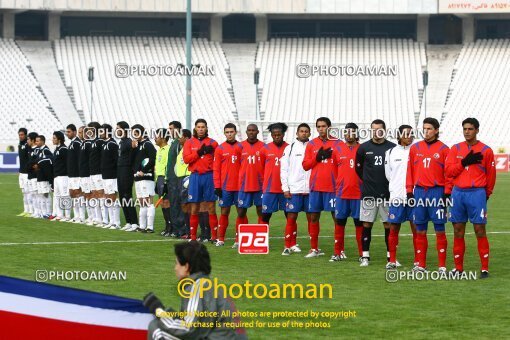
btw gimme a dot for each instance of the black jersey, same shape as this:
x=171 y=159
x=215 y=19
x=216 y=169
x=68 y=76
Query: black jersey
x=96 y=148
x=73 y=158
x=84 y=158
x=109 y=158
x=60 y=161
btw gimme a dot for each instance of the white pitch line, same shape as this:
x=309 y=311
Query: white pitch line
x=179 y=240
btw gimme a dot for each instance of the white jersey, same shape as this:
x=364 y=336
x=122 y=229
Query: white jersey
x=293 y=177
x=395 y=168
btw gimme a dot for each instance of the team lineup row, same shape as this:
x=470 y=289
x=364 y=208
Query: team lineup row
x=343 y=177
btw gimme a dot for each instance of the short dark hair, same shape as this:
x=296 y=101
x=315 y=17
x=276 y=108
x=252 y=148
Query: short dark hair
x=123 y=125
x=176 y=124
x=32 y=135
x=71 y=127
x=108 y=129
x=278 y=126
x=162 y=133
x=94 y=125
x=24 y=130
x=323 y=119
x=401 y=129
x=303 y=125
x=230 y=126
x=186 y=133
x=138 y=127
x=41 y=137
x=200 y=120
x=60 y=136
x=432 y=121
x=379 y=122
x=472 y=121
x=195 y=255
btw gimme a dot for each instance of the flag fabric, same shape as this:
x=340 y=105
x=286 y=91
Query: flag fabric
x=35 y=310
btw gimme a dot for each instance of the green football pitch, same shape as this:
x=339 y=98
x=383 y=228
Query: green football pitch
x=407 y=308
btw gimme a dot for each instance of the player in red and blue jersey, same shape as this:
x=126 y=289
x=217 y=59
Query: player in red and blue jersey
x=319 y=158
x=427 y=183
x=348 y=191
x=227 y=163
x=470 y=165
x=270 y=155
x=198 y=154
x=251 y=175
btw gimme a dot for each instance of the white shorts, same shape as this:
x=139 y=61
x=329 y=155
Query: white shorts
x=144 y=188
x=61 y=186
x=110 y=186
x=23 y=182
x=32 y=185
x=43 y=187
x=73 y=183
x=368 y=211
x=96 y=182
x=85 y=184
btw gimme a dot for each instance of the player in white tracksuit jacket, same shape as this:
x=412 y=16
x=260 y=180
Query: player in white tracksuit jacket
x=295 y=185
x=395 y=167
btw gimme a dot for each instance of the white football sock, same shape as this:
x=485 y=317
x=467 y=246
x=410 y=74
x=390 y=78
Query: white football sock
x=151 y=212
x=83 y=208
x=25 y=202
x=48 y=204
x=143 y=217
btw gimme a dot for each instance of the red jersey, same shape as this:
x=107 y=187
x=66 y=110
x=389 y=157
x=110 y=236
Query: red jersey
x=251 y=173
x=426 y=166
x=227 y=162
x=323 y=176
x=475 y=175
x=196 y=163
x=270 y=156
x=348 y=183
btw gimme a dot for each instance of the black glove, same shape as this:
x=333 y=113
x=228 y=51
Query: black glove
x=152 y=302
x=410 y=196
x=327 y=153
x=486 y=198
x=201 y=151
x=209 y=149
x=472 y=158
x=446 y=198
x=218 y=192
x=320 y=155
x=165 y=189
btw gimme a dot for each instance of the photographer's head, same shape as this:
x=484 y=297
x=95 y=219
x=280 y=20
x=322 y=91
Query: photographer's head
x=190 y=258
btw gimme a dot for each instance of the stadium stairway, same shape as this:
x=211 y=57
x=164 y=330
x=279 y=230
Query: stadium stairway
x=241 y=58
x=42 y=61
x=440 y=63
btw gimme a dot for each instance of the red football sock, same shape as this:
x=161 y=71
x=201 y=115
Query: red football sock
x=483 y=251
x=314 y=235
x=193 y=226
x=359 y=232
x=441 y=246
x=459 y=247
x=339 y=238
x=239 y=220
x=261 y=221
x=294 y=233
x=422 y=244
x=415 y=246
x=392 y=244
x=288 y=232
x=223 y=227
x=213 y=223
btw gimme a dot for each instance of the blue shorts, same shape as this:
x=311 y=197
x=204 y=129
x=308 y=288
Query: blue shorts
x=201 y=188
x=427 y=206
x=469 y=204
x=297 y=203
x=321 y=201
x=272 y=202
x=247 y=199
x=228 y=199
x=345 y=208
x=400 y=213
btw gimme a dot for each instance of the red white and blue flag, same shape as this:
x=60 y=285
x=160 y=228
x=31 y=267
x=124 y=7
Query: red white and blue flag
x=34 y=310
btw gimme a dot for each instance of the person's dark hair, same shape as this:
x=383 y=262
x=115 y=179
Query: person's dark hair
x=123 y=125
x=139 y=128
x=71 y=127
x=94 y=125
x=230 y=126
x=432 y=121
x=401 y=129
x=41 y=137
x=186 y=133
x=162 y=133
x=177 y=125
x=32 y=136
x=201 y=120
x=379 y=122
x=303 y=125
x=195 y=255
x=325 y=120
x=472 y=121
x=278 y=126
x=108 y=129
x=352 y=126
x=60 y=136
x=25 y=131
